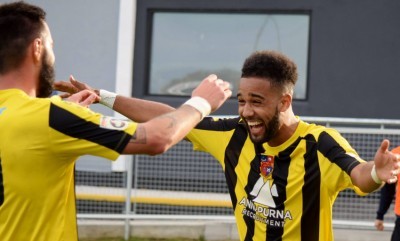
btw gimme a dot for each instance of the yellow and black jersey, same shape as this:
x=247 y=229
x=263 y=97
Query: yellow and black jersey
x=40 y=140
x=285 y=192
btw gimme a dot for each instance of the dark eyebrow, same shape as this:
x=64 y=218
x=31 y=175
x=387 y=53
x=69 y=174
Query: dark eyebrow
x=257 y=96
x=252 y=95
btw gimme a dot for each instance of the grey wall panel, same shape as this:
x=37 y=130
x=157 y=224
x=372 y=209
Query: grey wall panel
x=85 y=40
x=354 y=54
x=85 y=45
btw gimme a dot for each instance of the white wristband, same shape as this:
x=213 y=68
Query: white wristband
x=375 y=176
x=107 y=98
x=199 y=104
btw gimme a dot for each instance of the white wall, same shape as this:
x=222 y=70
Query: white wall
x=86 y=37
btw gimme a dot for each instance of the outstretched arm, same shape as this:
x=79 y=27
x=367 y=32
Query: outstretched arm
x=371 y=175
x=161 y=125
x=138 y=110
x=156 y=135
x=159 y=134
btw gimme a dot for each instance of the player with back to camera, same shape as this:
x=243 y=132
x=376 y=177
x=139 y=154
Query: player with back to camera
x=283 y=174
x=41 y=137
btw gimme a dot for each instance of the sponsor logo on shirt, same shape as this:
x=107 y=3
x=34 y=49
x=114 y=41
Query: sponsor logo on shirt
x=112 y=123
x=261 y=206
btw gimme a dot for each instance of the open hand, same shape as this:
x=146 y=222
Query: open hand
x=387 y=163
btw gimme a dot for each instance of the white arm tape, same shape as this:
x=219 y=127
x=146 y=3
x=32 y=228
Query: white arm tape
x=107 y=98
x=199 y=104
x=375 y=176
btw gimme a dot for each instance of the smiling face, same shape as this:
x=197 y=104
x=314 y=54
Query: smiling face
x=259 y=107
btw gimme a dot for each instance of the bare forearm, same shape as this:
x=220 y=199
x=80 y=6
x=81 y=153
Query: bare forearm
x=361 y=177
x=161 y=133
x=157 y=135
x=140 y=110
x=384 y=168
x=176 y=125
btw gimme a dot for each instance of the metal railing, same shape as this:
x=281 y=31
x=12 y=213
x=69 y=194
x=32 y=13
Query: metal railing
x=184 y=184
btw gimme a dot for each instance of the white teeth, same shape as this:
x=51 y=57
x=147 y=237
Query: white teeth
x=253 y=123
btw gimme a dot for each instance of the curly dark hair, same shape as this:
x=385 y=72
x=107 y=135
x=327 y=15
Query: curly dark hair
x=271 y=65
x=20 y=24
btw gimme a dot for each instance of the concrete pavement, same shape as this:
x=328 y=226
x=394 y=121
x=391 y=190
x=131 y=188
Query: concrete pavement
x=209 y=230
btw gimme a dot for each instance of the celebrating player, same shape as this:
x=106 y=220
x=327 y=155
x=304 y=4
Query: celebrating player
x=41 y=138
x=283 y=174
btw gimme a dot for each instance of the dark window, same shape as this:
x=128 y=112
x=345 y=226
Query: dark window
x=186 y=46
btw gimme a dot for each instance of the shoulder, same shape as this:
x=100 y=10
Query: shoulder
x=219 y=123
x=60 y=105
x=318 y=131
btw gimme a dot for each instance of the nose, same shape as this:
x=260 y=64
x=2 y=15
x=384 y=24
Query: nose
x=247 y=110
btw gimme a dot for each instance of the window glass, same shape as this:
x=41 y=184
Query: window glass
x=186 y=47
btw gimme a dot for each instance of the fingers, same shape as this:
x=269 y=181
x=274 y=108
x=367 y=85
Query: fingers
x=211 y=78
x=64 y=95
x=226 y=86
x=88 y=100
x=76 y=83
x=65 y=87
x=392 y=180
x=396 y=159
x=228 y=93
x=379 y=225
x=215 y=91
x=79 y=85
x=395 y=172
x=84 y=98
x=384 y=146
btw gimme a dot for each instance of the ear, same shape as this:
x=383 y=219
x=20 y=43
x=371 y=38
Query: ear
x=286 y=101
x=37 y=48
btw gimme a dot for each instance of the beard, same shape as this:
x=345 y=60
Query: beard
x=271 y=128
x=46 y=78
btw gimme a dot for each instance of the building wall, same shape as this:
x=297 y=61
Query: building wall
x=85 y=35
x=354 y=54
x=353 y=57
x=85 y=39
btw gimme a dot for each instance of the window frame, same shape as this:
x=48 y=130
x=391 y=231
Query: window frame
x=143 y=36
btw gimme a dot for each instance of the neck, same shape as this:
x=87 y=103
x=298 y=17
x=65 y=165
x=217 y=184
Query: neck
x=18 y=79
x=289 y=124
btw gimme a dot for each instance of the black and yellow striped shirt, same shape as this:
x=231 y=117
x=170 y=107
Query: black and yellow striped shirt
x=40 y=140
x=292 y=202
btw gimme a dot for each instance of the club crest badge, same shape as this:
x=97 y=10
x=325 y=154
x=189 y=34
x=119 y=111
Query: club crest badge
x=266 y=165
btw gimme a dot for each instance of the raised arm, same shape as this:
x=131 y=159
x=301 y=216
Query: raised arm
x=156 y=135
x=159 y=134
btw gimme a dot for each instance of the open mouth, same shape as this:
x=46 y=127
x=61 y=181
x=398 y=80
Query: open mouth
x=255 y=126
